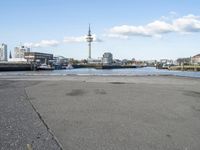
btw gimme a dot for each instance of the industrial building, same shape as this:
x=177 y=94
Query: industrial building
x=42 y=58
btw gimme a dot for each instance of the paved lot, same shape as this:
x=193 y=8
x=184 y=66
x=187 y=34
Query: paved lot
x=114 y=113
x=19 y=123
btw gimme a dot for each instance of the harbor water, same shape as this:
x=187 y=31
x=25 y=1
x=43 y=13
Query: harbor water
x=146 y=71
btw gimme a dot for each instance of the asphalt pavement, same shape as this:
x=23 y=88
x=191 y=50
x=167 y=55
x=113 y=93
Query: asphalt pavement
x=21 y=127
x=100 y=113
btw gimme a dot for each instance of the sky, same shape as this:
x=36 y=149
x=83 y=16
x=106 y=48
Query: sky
x=140 y=29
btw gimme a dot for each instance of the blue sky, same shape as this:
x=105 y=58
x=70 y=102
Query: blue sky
x=142 y=29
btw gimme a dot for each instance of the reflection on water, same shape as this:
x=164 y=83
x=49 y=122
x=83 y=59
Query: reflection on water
x=89 y=71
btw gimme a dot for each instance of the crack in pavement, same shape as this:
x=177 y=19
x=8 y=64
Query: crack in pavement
x=43 y=121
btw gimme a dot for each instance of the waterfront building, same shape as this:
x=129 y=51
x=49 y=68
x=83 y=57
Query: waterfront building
x=19 y=51
x=89 y=39
x=196 y=59
x=117 y=62
x=60 y=62
x=124 y=61
x=107 y=59
x=3 y=52
x=166 y=62
x=95 y=61
x=183 y=61
x=151 y=63
x=42 y=58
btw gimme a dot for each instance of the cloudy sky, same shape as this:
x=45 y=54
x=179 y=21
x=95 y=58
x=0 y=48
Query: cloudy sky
x=141 y=29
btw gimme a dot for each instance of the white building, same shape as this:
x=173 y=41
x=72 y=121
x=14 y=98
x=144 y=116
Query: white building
x=107 y=59
x=167 y=61
x=3 y=52
x=94 y=61
x=19 y=51
x=196 y=59
x=61 y=60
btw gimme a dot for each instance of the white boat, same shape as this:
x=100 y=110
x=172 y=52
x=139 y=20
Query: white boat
x=69 y=66
x=45 y=67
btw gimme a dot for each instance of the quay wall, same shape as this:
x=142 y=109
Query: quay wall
x=15 y=67
x=185 y=68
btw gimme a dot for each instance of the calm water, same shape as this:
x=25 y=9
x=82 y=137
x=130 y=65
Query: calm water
x=128 y=72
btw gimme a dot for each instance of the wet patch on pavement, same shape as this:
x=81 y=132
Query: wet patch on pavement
x=52 y=84
x=76 y=92
x=100 y=91
x=192 y=94
x=169 y=135
x=117 y=82
x=196 y=108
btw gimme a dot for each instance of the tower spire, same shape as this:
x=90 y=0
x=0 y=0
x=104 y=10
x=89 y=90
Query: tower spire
x=10 y=56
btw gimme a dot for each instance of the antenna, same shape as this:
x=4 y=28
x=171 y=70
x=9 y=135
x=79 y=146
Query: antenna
x=89 y=31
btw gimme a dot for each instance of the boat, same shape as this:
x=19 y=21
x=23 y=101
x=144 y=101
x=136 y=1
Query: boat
x=45 y=67
x=69 y=66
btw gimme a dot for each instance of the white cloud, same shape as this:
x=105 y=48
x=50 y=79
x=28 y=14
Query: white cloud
x=74 y=39
x=173 y=13
x=80 y=39
x=43 y=43
x=96 y=39
x=116 y=36
x=188 y=24
x=185 y=24
x=53 y=43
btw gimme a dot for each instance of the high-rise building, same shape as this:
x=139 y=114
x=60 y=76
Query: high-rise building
x=19 y=51
x=3 y=52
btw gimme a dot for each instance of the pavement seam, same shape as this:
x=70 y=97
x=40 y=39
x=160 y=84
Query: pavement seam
x=43 y=121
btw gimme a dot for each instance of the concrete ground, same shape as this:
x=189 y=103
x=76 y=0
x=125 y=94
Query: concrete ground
x=100 y=113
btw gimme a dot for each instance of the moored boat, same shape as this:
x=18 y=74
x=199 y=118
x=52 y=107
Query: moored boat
x=69 y=66
x=45 y=67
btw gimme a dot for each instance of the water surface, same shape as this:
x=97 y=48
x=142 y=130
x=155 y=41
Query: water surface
x=147 y=71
